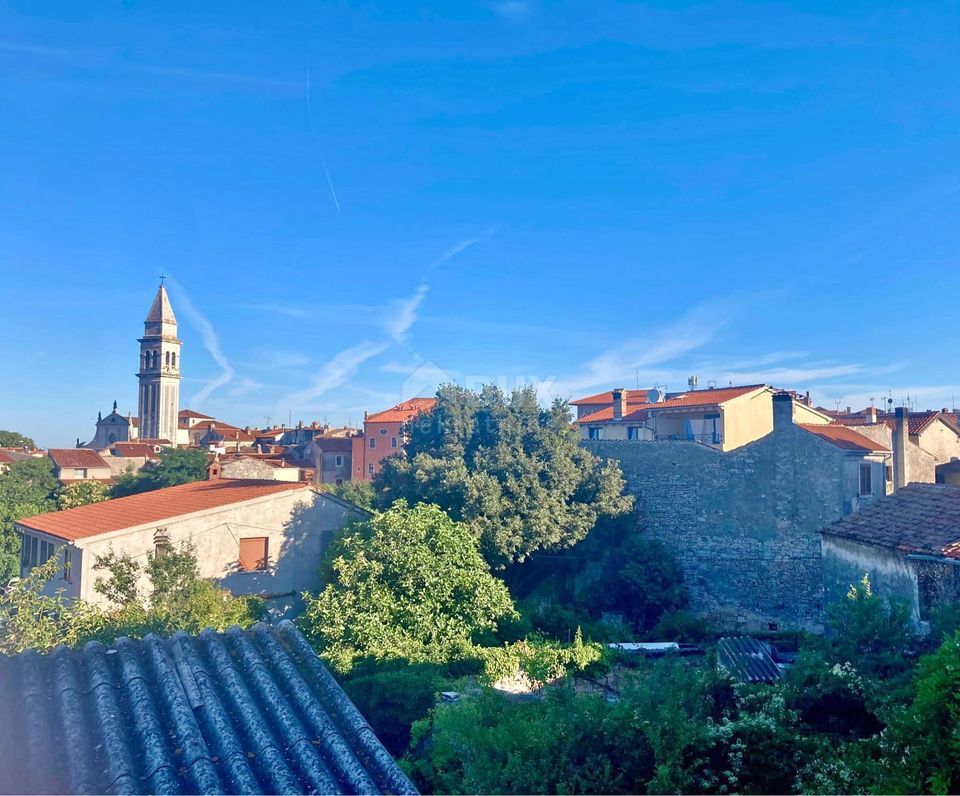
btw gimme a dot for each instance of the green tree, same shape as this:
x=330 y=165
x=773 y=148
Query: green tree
x=926 y=756
x=564 y=743
x=14 y=439
x=360 y=493
x=174 y=466
x=513 y=472
x=409 y=583
x=81 y=493
x=26 y=489
x=870 y=632
x=177 y=598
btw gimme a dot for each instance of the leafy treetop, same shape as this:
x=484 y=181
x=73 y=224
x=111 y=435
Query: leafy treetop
x=27 y=488
x=14 y=439
x=174 y=466
x=512 y=471
x=409 y=583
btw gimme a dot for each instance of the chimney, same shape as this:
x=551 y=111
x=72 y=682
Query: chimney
x=849 y=411
x=871 y=415
x=782 y=411
x=619 y=403
x=901 y=437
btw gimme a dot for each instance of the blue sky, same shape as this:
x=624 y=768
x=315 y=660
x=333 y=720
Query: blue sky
x=353 y=200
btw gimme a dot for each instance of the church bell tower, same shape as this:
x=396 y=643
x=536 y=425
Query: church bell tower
x=159 y=371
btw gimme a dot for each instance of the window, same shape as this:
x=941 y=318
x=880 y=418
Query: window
x=67 y=564
x=34 y=552
x=370 y=468
x=633 y=432
x=595 y=432
x=253 y=554
x=888 y=473
x=373 y=442
x=866 y=479
x=393 y=442
x=79 y=472
x=166 y=358
x=383 y=432
x=338 y=460
x=173 y=359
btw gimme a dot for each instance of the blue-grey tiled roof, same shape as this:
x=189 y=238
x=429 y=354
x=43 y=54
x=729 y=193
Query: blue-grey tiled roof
x=236 y=712
x=748 y=660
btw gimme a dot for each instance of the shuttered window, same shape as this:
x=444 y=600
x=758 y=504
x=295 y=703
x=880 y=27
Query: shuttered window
x=253 y=554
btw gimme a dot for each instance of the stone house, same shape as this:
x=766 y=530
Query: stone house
x=79 y=464
x=745 y=525
x=253 y=537
x=724 y=418
x=332 y=458
x=928 y=445
x=907 y=543
x=258 y=468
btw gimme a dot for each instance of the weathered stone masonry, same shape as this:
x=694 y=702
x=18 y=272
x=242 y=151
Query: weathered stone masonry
x=744 y=525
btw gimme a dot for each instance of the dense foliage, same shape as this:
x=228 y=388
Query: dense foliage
x=174 y=466
x=409 y=583
x=513 y=472
x=14 y=439
x=176 y=599
x=27 y=488
x=360 y=493
x=81 y=493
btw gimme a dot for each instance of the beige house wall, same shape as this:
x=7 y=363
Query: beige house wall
x=941 y=442
x=297 y=525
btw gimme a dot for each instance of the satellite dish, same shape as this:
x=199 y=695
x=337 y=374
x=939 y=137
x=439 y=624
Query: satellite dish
x=655 y=395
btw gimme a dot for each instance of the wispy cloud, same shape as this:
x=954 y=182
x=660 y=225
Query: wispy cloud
x=337 y=371
x=211 y=342
x=404 y=313
x=459 y=247
x=641 y=358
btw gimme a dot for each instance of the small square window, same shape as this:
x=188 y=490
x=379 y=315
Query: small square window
x=595 y=432
x=633 y=432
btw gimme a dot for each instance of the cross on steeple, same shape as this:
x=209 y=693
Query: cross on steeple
x=163 y=278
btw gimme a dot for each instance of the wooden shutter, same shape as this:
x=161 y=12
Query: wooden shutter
x=253 y=554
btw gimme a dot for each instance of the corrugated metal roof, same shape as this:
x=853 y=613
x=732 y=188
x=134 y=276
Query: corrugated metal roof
x=236 y=712
x=748 y=660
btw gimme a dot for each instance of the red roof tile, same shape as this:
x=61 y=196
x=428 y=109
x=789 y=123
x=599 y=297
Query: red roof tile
x=692 y=399
x=150 y=507
x=403 y=412
x=918 y=421
x=65 y=458
x=603 y=398
x=919 y=518
x=191 y=413
x=844 y=437
x=134 y=450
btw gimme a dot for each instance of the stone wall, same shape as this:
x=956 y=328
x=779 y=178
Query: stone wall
x=744 y=525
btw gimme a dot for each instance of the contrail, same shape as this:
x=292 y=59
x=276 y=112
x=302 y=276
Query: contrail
x=323 y=160
x=333 y=193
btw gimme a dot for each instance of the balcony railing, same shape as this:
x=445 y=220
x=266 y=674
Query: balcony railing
x=710 y=438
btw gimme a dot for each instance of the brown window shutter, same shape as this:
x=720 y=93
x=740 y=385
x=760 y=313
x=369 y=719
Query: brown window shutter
x=253 y=554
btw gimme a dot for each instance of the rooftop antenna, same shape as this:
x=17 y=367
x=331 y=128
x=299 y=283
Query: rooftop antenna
x=871 y=402
x=638 y=378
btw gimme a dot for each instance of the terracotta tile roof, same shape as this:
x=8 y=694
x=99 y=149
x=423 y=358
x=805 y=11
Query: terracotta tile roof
x=918 y=421
x=604 y=398
x=206 y=424
x=687 y=400
x=154 y=441
x=844 y=437
x=252 y=711
x=149 y=507
x=920 y=518
x=403 y=412
x=65 y=458
x=133 y=450
x=191 y=413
